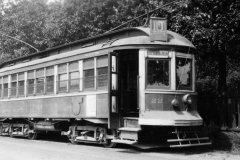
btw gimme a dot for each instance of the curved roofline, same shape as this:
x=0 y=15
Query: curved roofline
x=85 y=40
x=73 y=43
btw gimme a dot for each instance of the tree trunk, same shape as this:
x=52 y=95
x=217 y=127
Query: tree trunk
x=222 y=89
x=222 y=82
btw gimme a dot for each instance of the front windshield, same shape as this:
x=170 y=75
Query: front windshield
x=184 y=73
x=158 y=73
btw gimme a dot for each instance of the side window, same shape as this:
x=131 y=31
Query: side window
x=62 y=78
x=184 y=73
x=5 y=87
x=88 y=73
x=21 y=83
x=50 y=80
x=73 y=76
x=30 y=82
x=1 y=87
x=102 y=72
x=40 y=80
x=13 y=85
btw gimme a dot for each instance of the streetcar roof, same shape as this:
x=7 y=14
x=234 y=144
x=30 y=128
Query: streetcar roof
x=122 y=37
x=173 y=39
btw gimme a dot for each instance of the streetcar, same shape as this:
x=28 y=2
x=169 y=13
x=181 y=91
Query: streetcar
x=134 y=86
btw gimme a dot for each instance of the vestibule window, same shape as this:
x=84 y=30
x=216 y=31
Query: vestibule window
x=62 y=78
x=49 y=80
x=73 y=76
x=158 y=73
x=102 y=72
x=30 y=82
x=13 y=85
x=21 y=84
x=183 y=73
x=88 y=72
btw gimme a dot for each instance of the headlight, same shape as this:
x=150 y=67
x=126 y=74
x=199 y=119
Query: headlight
x=187 y=99
x=175 y=102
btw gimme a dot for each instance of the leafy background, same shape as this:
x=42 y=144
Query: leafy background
x=212 y=26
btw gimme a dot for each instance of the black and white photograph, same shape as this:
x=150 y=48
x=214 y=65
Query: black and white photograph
x=119 y=80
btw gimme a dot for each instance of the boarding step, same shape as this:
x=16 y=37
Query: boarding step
x=137 y=144
x=129 y=129
x=131 y=122
x=126 y=133
x=124 y=141
x=187 y=138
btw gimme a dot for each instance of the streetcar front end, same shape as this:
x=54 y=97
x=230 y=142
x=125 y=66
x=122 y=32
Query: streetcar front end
x=166 y=93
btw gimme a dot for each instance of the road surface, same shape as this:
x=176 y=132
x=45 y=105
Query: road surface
x=45 y=149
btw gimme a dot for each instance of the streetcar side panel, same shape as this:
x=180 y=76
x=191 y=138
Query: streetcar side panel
x=73 y=84
x=79 y=106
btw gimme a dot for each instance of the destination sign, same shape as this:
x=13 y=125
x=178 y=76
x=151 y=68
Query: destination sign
x=158 y=53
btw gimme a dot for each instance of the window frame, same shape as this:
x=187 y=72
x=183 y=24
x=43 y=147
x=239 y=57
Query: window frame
x=47 y=75
x=104 y=87
x=19 y=79
x=16 y=87
x=169 y=59
x=186 y=56
x=40 y=84
x=102 y=66
x=7 y=89
x=70 y=71
x=88 y=69
x=34 y=82
x=1 y=87
x=59 y=74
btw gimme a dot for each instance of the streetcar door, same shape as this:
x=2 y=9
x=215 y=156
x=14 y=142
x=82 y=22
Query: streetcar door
x=128 y=71
x=113 y=90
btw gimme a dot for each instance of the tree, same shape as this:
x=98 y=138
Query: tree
x=212 y=25
x=23 y=20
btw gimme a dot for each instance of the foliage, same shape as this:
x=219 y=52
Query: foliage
x=23 y=20
x=212 y=25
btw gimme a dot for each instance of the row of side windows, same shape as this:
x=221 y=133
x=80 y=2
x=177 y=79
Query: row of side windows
x=66 y=79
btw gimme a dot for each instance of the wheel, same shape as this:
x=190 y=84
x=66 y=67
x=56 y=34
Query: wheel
x=72 y=140
x=71 y=136
x=11 y=134
x=32 y=136
x=1 y=130
x=109 y=144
